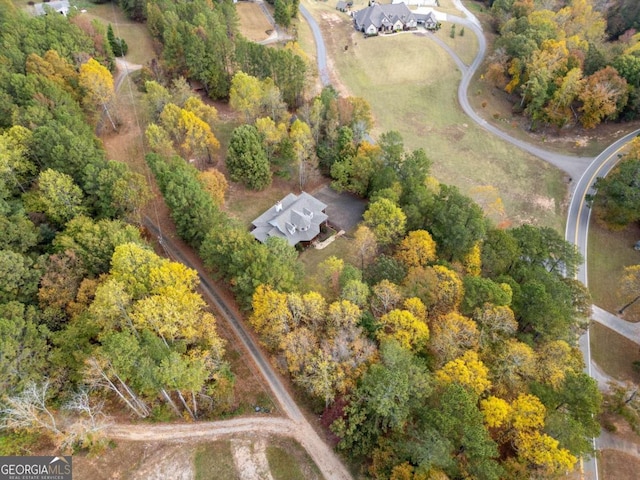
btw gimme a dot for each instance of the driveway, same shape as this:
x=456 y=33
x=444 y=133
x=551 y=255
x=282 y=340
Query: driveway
x=343 y=209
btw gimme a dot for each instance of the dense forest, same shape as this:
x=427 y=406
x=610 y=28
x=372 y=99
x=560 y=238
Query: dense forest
x=568 y=62
x=87 y=309
x=445 y=348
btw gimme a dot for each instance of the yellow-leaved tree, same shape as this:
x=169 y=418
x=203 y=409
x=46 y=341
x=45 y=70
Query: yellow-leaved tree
x=410 y=332
x=97 y=83
x=271 y=316
x=417 y=249
x=537 y=449
x=467 y=370
x=496 y=411
x=215 y=184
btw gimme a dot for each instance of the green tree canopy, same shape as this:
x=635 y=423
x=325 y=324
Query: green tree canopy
x=246 y=158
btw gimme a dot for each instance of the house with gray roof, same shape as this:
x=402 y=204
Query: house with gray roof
x=419 y=3
x=344 y=6
x=428 y=19
x=62 y=7
x=377 y=19
x=296 y=218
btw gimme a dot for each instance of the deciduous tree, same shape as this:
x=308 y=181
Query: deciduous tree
x=468 y=371
x=97 y=82
x=417 y=249
x=60 y=197
x=386 y=220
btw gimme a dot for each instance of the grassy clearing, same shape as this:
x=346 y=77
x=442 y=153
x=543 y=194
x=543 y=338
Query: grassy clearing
x=342 y=247
x=127 y=145
x=253 y=23
x=289 y=461
x=215 y=460
x=136 y=35
x=447 y=6
x=614 y=353
x=246 y=205
x=465 y=46
x=416 y=94
x=609 y=253
x=618 y=465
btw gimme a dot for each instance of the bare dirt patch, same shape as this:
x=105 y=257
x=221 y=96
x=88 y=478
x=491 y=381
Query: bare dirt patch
x=250 y=459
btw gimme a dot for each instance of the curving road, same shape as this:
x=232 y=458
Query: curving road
x=586 y=169
x=321 y=50
x=573 y=166
x=579 y=213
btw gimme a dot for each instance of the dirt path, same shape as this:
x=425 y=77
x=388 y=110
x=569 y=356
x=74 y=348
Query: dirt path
x=296 y=426
x=320 y=453
x=123 y=68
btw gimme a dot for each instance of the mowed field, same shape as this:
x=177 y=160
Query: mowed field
x=253 y=23
x=411 y=84
x=609 y=253
x=136 y=35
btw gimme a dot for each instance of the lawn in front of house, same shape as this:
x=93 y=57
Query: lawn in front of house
x=311 y=257
x=609 y=252
x=465 y=45
x=411 y=85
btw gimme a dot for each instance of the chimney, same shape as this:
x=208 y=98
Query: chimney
x=278 y=206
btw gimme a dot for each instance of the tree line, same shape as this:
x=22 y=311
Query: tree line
x=201 y=41
x=554 y=58
x=87 y=309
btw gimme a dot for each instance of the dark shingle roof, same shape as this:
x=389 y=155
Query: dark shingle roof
x=379 y=15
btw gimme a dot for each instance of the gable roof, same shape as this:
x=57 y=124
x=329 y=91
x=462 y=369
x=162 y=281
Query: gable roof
x=297 y=218
x=428 y=17
x=383 y=15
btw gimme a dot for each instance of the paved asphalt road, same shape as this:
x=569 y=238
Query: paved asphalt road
x=579 y=213
x=573 y=166
x=321 y=51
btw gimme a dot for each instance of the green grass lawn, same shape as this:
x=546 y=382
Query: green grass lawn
x=214 y=461
x=342 y=247
x=289 y=461
x=411 y=84
x=609 y=252
x=466 y=46
x=614 y=353
x=135 y=34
